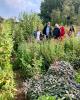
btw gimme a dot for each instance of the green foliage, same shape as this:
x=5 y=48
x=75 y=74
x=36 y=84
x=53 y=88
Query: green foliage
x=52 y=51
x=67 y=97
x=17 y=36
x=5 y=45
x=47 y=6
x=75 y=55
x=60 y=9
x=6 y=73
x=56 y=16
x=29 y=59
x=47 y=98
x=6 y=85
x=77 y=77
x=25 y=28
x=28 y=24
x=34 y=58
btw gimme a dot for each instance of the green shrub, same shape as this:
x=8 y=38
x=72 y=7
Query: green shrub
x=29 y=59
x=54 y=98
x=47 y=98
x=24 y=29
x=51 y=51
x=77 y=77
x=36 y=57
x=27 y=25
x=6 y=73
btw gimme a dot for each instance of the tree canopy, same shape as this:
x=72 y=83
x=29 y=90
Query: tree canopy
x=64 y=7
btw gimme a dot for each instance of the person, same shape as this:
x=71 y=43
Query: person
x=38 y=32
x=71 y=30
x=56 y=31
x=47 y=30
x=62 y=32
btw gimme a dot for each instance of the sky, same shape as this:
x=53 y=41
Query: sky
x=12 y=8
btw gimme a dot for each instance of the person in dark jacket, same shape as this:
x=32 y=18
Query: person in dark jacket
x=56 y=31
x=47 y=30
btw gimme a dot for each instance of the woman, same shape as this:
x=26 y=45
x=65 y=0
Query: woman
x=62 y=32
x=56 y=31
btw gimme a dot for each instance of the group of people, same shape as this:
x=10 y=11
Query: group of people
x=57 y=33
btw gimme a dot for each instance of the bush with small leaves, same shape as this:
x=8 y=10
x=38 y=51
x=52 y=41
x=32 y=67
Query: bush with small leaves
x=6 y=73
x=47 y=98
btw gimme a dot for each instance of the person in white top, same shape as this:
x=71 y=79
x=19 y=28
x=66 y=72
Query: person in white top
x=38 y=32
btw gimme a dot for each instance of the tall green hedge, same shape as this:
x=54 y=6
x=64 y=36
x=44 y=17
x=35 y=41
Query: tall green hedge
x=6 y=73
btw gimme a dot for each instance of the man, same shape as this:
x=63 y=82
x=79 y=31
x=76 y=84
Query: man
x=47 y=30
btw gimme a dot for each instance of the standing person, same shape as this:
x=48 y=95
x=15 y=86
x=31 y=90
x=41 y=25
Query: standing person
x=56 y=31
x=71 y=30
x=38 y=32
x=62 y=32
x=47 y=30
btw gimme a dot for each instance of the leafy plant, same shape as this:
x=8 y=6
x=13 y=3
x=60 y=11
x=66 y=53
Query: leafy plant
x=29 y=59
x=47 y=98
x=28 y=23
x=35 y=57
x=77 y=77
x=6 y=73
